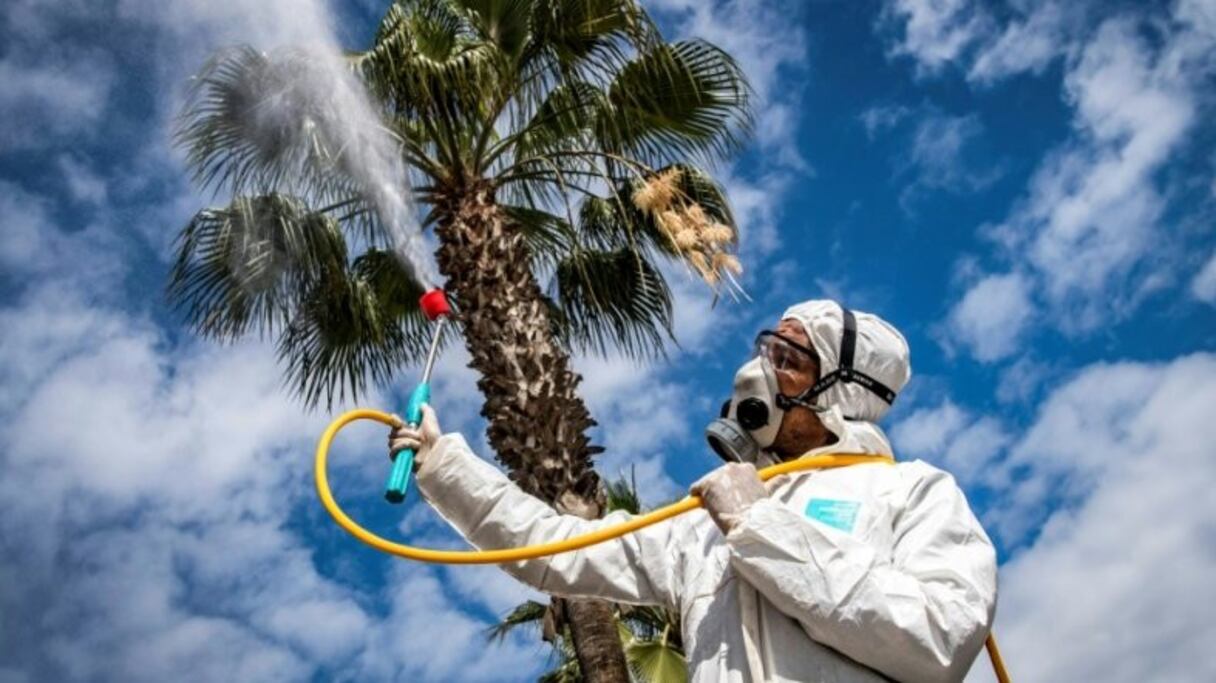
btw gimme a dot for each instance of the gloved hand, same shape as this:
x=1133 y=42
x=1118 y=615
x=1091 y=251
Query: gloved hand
x=728 y=492
x=419 y=438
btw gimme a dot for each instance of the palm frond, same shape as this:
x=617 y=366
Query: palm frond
x=254 y=123
x=682 y=100
x=568 y=36
x=622 y=494
x=528 y=614
x=652 y=642
x=241 y=268
x=429 y=63
x=392 y=285
x=549 y=237
x=613 y=299
x=563 y=120
x=651 y=621
x=353 y=328
x=503 y=23
x=655 y=661
x=566 y=670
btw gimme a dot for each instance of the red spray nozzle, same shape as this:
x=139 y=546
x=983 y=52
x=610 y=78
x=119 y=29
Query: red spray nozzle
x=434 y=304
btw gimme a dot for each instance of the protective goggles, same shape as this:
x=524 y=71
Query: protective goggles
x=785 y=354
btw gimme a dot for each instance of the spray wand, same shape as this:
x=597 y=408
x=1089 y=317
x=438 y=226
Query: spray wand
x=436 y=308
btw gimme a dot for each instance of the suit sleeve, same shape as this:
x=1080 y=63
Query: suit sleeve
x=919 y=613
x=492 y=512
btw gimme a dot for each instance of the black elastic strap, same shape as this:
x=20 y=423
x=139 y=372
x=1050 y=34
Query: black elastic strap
x=848 y=339
x=845 y=372
x=877 y=388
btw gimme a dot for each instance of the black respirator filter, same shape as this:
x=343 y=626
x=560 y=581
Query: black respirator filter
x=729 y=438
x=731 y=442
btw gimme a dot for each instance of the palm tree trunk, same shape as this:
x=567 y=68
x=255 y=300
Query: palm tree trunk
x=537 y=422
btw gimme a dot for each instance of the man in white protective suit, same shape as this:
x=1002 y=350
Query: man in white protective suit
x=868 y=572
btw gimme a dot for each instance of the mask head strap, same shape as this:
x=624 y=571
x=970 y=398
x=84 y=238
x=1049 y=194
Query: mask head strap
x=845 y=372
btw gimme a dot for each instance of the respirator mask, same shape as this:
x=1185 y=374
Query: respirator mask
x=750 y=420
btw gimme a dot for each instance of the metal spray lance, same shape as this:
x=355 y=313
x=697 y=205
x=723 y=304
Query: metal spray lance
x=436 y=308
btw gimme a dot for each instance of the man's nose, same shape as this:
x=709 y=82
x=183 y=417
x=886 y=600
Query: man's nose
x=792 y=382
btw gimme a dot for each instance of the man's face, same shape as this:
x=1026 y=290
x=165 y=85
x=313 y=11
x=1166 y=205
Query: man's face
x=797 y=379
x=801 y=429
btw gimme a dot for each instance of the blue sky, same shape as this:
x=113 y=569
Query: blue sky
x=1025 y=188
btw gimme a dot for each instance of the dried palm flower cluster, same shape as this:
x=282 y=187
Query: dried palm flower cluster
x=702 y=241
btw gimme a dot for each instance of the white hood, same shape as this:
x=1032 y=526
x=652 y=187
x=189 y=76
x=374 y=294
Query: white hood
x=881 y=352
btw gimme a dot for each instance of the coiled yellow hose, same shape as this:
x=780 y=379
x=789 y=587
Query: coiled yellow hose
x=574 y=543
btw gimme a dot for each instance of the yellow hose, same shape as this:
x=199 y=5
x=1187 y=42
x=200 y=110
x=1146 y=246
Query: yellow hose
x=998 y=662
x=574 y=543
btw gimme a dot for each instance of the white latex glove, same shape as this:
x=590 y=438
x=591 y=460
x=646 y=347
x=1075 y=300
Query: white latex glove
x=419 y=438
x=728 y=492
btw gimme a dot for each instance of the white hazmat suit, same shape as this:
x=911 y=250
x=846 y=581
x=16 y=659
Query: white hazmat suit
x=864 y=573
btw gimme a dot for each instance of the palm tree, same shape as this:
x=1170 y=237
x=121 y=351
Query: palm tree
x=650 y=635
x=560 y=142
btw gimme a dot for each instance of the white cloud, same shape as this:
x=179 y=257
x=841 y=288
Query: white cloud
x=42 y=101
x=488 y=586
x=8 y=675
x=937 y=149
x=756 y=203
x=776 y=130
x=1028 y=43
x=33 y=248
x=881 y=118
x=116 y=471
x=1088 y=236
x=424 y=638
x=83 y=184
x=991 y=317
x=1094 y=207
x=642 y=415
x=1127 y=448
x=926 y=431
x=147 y=493
x=1020 y=381
x=1029 y=35
x=935 y=32
x=973 y=448
x=26 y=226
x=952 y=438
x=1203 y=286
x=697 y=316
x=941 y=157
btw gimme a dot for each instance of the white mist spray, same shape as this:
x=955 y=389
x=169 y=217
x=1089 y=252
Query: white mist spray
x=317 y=118
x=312 y=112
x=369 y=155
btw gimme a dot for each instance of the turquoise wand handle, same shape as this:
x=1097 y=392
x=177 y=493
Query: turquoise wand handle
x=403 y=461
x=436 y=308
